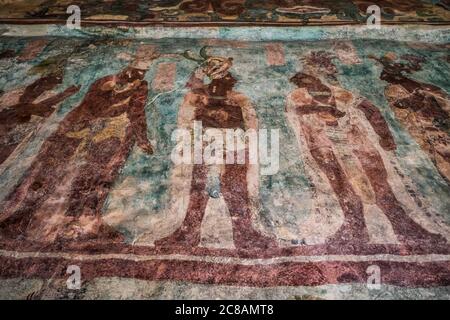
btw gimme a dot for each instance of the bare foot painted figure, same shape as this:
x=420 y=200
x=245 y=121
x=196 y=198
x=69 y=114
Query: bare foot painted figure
x=217 y=105
x=62 y=193
x=423 y=109
x=341 y=132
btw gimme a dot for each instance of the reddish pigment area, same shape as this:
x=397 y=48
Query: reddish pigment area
x=275 y=54
x=284 y=274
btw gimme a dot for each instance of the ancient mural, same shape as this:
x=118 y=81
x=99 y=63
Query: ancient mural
x=87 y=177
x=293 y=12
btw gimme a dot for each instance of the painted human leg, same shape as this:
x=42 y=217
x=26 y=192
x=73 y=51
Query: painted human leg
x=40 y=181
x=407 y=230
x=235 y=193
x=353 y=229
x=91 y=187
x=189 y=232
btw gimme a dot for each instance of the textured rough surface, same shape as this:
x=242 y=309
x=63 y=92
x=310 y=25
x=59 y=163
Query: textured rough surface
x=86 y=176
x=228 y=12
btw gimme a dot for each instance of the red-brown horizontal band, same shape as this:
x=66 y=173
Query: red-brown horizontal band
x=283 y=274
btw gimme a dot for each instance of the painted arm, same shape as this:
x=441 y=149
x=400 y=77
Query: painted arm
x=315 y=108
x=378 y=123
x=45 y=107
x=248 y=111
x=303 y=104
x=38 y=87
x=136 y=114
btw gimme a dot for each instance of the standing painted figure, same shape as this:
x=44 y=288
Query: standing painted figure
x=341 y=132
x=35 y=103
x=218 y=106
x=423 y=109
x=62 y=193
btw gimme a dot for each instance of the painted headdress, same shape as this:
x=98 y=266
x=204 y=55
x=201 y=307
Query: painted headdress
x=215 y=67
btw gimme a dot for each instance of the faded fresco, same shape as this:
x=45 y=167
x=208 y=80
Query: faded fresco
x=297 y=12
x=86 y=175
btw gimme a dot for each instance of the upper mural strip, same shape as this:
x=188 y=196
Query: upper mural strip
x=228 y=12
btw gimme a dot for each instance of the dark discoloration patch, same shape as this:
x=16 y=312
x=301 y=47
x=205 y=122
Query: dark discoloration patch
x=7 y=54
